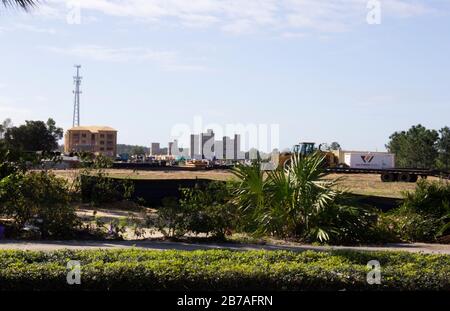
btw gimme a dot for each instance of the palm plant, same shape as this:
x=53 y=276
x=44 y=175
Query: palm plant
x=25 y=4
x=291 y=201
x=312 y=196
x=249 y=193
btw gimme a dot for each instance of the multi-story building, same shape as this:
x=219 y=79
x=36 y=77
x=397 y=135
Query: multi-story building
x=95 y=139
x=207 y=145
x=155 y=149
x=195 y=147
x=219 y=150
x=238 y=154
x=171 y=148
x=228 y=148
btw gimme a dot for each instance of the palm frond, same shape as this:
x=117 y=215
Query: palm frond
x=24 y=4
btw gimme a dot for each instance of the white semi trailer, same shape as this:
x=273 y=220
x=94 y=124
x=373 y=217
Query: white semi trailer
x=383 y=163
x=370 y=160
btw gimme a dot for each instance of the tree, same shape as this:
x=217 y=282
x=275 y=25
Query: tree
x=24 y=4
x=415 y=148
x=138 y=150
x=444 y=148
x=121 y=148
x=335 y=146
x=7 y=123
x=34 y=136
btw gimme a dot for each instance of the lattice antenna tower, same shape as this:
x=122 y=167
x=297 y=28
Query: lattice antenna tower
x=76 y=101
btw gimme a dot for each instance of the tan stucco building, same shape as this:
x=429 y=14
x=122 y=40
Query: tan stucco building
x=95 y=139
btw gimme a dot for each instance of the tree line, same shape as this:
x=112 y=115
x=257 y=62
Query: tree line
x=32 y=136
x=420 y=147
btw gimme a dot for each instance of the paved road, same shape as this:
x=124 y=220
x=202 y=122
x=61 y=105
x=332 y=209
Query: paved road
x=163 y=245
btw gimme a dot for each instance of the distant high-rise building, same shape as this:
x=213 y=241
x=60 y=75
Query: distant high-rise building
x=195 y=147
x=164 y=151
x=219 y=150
x=228 y=148
x=207 y=144
x=237 y=147
x=171 y=148
x=155 y=149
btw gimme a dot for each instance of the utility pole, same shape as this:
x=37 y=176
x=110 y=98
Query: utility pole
x=76 y=92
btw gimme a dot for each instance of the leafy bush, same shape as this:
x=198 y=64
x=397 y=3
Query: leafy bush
x=203 y=209
x=407 y=226
x=208 y=210
x=222 y=270
x=39 y=199
x=428 y=208
x=432 y=198
x=95 y=184
x=423 y=216
x=170 y=220
x=100 y=189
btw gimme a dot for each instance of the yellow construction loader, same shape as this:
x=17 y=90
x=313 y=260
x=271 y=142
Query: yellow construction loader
x=305 y=149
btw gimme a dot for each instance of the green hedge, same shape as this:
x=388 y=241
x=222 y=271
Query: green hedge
x=222 y=270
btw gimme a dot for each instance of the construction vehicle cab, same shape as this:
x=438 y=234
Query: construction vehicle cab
x=304 y=148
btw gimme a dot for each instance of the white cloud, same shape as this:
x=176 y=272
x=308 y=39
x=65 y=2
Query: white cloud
x=248 y=16
x=294 y=35
x=400 y=8
x=168 y=60
x=242 y=26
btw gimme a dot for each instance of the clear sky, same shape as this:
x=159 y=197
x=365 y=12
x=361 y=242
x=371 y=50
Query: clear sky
x=316 y=68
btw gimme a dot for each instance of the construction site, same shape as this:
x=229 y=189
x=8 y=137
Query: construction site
x=212 y=159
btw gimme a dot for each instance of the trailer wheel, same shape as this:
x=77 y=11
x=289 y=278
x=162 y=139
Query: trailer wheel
x=404 y=177
x=388 y=177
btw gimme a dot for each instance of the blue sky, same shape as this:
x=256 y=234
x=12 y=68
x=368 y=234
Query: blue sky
x=316 y=68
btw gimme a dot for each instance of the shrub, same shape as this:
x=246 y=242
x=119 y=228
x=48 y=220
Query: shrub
x=428 y=209
x=408 y=226
x=432 y=198
x=222 y=270
x=100 y=189
x=202 y=209
x=97 y=187
x=170 y=220
x=208 y=209
x=40 y=199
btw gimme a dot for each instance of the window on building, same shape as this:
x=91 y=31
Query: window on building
x=109 y=148
x=110 y=142
x=102 y=135
x=102 y=149
x=110 y=136
x=83 y=135
x=102 y=142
